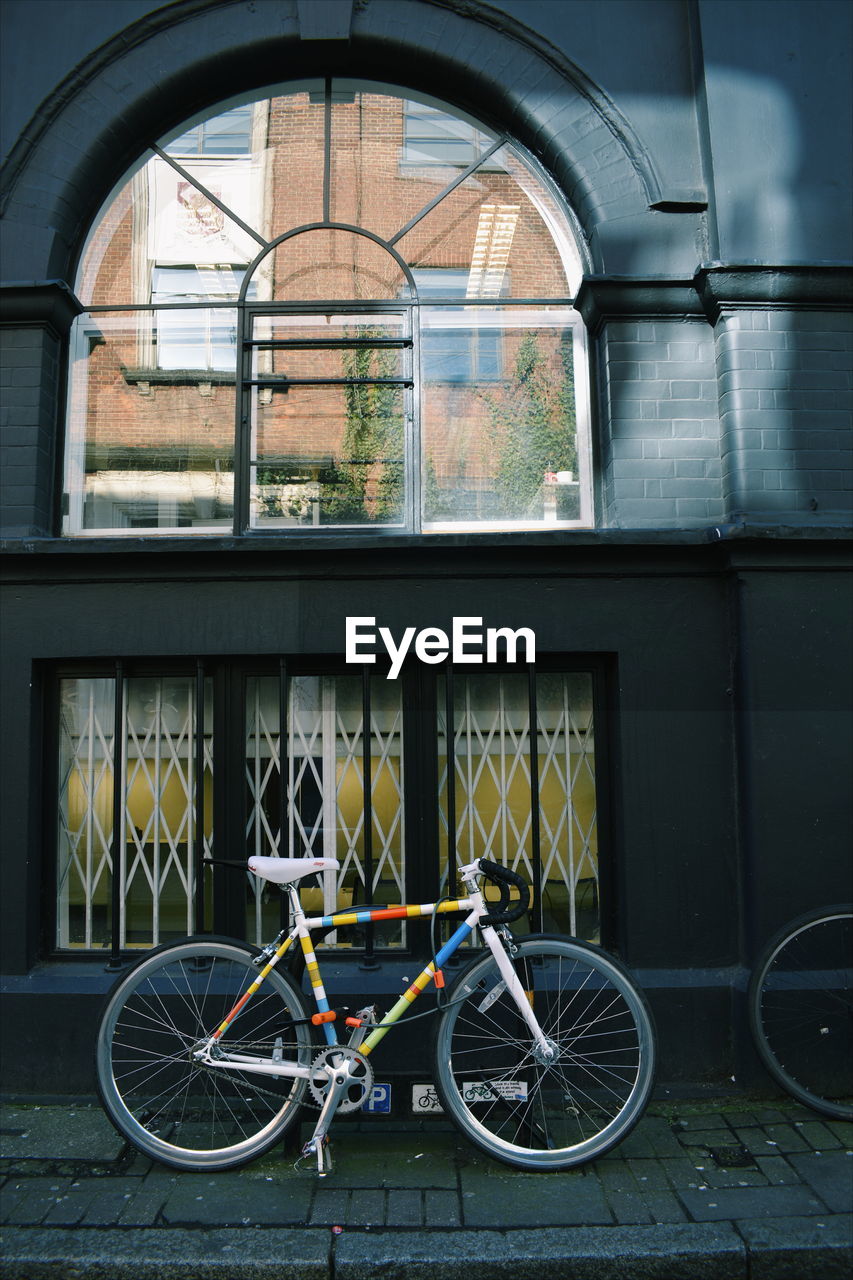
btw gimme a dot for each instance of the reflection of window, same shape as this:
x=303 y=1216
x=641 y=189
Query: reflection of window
x=455 y=354
x=432 y=137
x=196 y=339
x=224 y=135
x=409 y=357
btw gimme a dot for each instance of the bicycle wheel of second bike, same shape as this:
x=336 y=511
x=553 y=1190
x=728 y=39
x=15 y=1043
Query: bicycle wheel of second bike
x=546 y=1114
x=801 y=1010
x=155 y=1091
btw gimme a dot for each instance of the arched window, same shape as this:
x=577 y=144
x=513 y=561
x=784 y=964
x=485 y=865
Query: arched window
x=340 y=306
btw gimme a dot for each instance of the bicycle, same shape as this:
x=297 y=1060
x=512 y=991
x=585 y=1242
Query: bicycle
x=545 y=1048
x=801 y=1011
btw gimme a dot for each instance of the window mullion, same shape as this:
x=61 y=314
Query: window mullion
x=242 y=423
x=451 y=186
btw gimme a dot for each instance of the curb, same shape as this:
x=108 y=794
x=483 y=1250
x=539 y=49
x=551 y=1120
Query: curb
x=793 y=1249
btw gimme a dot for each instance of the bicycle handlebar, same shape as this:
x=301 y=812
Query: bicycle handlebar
x=503 y=878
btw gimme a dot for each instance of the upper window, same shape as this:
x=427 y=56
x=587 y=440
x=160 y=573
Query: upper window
x=337 y=307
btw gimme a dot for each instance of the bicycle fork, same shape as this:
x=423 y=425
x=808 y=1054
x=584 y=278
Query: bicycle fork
x=545 y=1050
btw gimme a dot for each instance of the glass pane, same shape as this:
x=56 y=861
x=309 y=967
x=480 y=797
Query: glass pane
x=226 y=134
x=159 y=219
x=283 y=139
x=302 y=359
x=503 y=227
x=263 y=803
x=148 y=448
x=338 y=265
x=295 y=160
x=344 y=327
x=491 y=759
x=499 y=426
x=328 y=455
x=386 y=785
x=491 y=756
x=326 y=795
x=391 y=156
x=568 y=830
x=160 y=813
x=158 y=806
x=85 y=833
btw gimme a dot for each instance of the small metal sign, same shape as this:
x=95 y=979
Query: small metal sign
x=379 y=1100
x=425 y=1099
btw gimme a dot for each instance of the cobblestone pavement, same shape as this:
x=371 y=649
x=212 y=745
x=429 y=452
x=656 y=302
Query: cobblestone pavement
x=698 y=1190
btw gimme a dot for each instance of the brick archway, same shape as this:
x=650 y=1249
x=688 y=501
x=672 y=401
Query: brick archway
x=175 y=61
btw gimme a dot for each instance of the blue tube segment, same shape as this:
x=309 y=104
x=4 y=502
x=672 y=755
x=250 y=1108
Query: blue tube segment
x=455 y=940
x=361 y=917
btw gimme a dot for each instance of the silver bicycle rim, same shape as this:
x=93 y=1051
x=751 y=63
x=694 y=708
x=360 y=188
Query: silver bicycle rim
x=801 y=1011
x=154 y=1090
x=583 y=1102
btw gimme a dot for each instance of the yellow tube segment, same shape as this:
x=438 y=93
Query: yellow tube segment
x=409 y=995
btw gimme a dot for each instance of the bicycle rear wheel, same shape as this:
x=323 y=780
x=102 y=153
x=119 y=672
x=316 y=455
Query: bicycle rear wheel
x=554 y=1114
x=801 y=1011
x=159 y=1096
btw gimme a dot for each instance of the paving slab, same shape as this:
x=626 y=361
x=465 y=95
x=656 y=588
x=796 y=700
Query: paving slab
x=501 y=1197
x=210 y=1203
x=404 y=1159
x=58 y=1133
x=719 y=1204
x=830 y=1175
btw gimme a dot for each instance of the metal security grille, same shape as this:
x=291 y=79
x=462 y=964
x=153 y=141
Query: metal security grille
x=331 y=811
x=359 y=756
x=527 y=801
x=132 y=747
x=86 y=755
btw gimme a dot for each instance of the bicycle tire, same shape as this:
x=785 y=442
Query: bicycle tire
x=801 y=1011
x=572 y=1109
x=163 y=1100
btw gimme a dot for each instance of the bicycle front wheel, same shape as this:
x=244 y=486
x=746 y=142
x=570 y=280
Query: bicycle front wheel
x=801 y=1011
x=168 y=1104
x=546 y=1113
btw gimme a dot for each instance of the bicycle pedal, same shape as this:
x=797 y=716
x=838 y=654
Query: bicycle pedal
x=324 y=1158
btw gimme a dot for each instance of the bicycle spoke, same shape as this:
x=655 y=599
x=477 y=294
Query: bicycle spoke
x=554 y=1107
x=209 y=1116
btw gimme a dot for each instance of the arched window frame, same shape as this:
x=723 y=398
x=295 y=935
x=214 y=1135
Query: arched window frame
x=414 y=518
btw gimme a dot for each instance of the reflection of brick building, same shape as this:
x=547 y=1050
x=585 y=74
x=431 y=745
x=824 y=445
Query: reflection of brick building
x=425 y=208
x=597 y=389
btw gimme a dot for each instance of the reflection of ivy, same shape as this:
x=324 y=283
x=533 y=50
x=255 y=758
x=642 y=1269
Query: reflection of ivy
x=296 y=506
x=367 y=483
x=438 y=502
x=533 y=424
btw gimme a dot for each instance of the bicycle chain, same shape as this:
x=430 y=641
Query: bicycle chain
x=250 y=1077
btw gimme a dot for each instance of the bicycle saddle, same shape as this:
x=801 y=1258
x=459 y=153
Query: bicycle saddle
x=286 y=870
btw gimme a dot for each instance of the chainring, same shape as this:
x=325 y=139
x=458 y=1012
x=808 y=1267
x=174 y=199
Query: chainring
x=361 y=1077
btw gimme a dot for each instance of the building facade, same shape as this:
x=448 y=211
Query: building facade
x=426 y=435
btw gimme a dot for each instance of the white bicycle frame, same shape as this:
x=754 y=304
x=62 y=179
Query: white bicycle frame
x=214 y=1057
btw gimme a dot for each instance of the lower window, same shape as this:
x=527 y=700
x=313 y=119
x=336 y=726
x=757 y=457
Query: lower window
x=401 y=780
